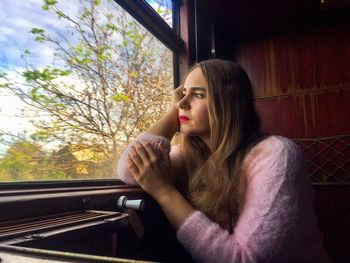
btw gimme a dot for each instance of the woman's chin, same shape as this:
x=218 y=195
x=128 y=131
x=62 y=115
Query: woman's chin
x=188 y=132
x=184 y=130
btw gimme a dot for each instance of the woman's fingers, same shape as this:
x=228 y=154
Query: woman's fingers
x=132 y=166
x=142 y=153
x=136 y=158
x=150 y=152
x=177 y=94
x=147 y=168
x=142 y=159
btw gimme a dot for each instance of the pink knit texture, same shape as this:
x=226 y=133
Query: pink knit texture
x=122 y=169
x=277 y=224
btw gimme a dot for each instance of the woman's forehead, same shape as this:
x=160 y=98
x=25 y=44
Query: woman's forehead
x=195 y=79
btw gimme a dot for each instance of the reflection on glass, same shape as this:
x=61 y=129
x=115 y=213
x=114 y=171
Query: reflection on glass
x=78 y=81
x=164 y=9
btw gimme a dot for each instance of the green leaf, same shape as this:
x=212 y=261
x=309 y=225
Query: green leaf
x=37 y=30
x=109 y=15
x=46 y=74
x=60 y=105
x=31 y=75
x=86 y=61
x=120 y=97
x=102 y=57
x=97 y=2
x=112 y=27
x=65 y=72
x=5 y=85
x=78 y=49
x=40 y=39
x=3 y=74
x=33 y=94
x=50 y=2
x=39 y=97
x=39 y=136
x=85 y=13
x=79 y=61
x=133 y=74
x=60 y=14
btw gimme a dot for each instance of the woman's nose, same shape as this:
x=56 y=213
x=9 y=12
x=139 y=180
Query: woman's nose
x=183 y=103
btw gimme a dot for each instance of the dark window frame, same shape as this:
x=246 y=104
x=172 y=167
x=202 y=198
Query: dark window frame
x=149 y=18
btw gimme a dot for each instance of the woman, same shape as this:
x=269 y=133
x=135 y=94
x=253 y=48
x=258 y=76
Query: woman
x=232 y=194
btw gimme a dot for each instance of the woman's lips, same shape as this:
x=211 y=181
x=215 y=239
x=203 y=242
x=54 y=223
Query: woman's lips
x=183 y=118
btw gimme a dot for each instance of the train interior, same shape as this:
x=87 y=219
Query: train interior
x=297 y=54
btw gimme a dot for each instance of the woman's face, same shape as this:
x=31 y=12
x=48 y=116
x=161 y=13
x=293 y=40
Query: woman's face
x=193 y=107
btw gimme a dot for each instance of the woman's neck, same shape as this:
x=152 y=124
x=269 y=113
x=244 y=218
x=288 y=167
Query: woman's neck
x=206 y=140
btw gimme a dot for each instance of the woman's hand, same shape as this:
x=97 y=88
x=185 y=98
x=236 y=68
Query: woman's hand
x=152 y=173
x=177 y=95
x=174 y=110
x=149 y=170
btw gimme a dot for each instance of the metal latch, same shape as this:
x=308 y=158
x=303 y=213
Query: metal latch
x=137 y=204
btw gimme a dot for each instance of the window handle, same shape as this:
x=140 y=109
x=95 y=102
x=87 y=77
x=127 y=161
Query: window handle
x=137 y=204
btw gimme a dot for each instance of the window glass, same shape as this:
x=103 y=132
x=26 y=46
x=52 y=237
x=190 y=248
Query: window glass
x=164 y=9
x=78 y=81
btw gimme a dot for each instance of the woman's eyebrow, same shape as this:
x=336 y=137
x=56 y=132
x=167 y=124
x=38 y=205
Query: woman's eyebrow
x=196 y=88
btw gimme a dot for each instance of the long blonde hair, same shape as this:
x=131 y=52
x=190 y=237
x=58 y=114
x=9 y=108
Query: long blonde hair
x=215 y=182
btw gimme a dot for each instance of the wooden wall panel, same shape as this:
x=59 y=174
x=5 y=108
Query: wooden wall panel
x=312 y=115
x=301 y=80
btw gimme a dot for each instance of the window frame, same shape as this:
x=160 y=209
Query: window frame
x=149 y=18
x=170 y=37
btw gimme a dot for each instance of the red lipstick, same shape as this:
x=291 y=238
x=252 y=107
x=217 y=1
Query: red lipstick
x=183 y=118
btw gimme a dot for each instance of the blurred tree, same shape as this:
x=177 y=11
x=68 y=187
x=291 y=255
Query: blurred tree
x=26 y=160
x=114 y=81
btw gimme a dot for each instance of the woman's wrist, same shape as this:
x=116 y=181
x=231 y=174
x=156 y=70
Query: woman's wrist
x=174 y=113
x=168 y=125
x=175 y=207
x=162 y=197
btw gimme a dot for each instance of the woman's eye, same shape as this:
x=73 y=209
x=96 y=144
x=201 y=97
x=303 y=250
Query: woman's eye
x=199 y=95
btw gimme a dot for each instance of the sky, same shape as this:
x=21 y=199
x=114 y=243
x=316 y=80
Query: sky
x=17 y=18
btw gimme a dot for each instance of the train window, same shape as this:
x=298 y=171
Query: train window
x=78 y=81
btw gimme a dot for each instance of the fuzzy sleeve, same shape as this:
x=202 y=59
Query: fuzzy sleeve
x=277 y=223
x=122 y=169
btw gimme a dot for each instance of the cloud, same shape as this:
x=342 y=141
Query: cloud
x=3 y=38
x=16 y=23
x=10 y=115
x=10 y=110
x=4 y=30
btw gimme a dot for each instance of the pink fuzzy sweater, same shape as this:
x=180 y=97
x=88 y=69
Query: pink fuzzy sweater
x=277 y=223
